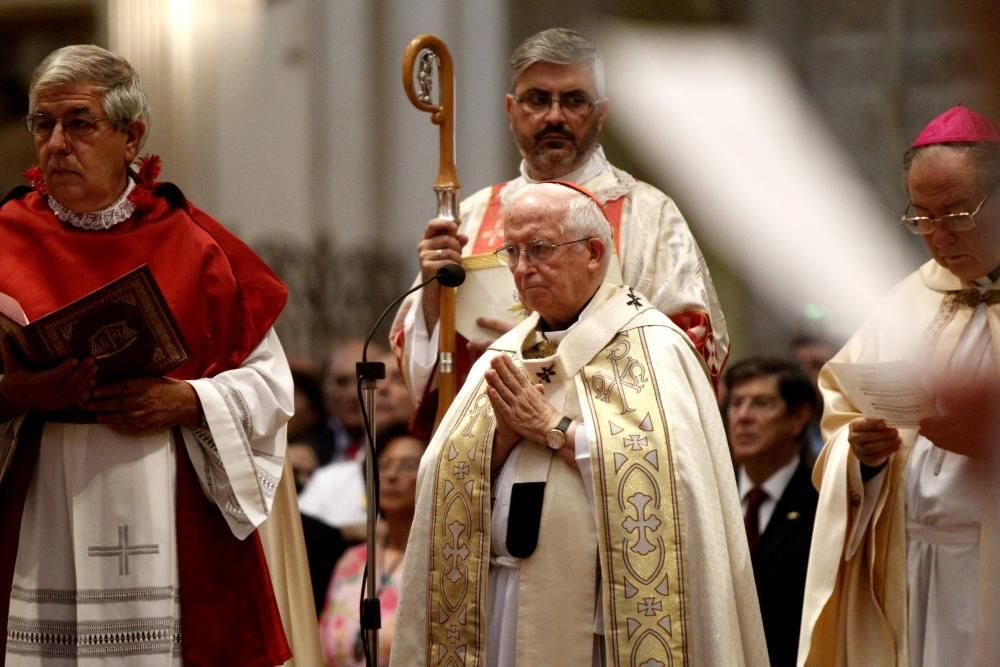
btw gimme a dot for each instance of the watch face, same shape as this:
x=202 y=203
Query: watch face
x=555 y=439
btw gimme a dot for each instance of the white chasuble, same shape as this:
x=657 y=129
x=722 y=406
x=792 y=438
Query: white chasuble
x=904 y=571
x=662 y=548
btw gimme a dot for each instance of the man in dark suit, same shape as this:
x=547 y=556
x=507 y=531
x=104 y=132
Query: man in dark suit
x=770 y=405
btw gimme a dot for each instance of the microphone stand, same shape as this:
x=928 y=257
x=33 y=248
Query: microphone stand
x=368 y=374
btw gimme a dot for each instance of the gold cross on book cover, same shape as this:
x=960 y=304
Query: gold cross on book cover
x=126 y=326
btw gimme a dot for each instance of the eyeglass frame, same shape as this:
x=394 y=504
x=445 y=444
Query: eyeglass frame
x=30 y=121
x=757 y=404
x=504 y=251
x=557 y=99
x=407 y=466
x=948 y=219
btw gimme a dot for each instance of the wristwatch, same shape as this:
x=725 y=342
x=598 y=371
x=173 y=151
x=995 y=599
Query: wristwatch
x=556 y=437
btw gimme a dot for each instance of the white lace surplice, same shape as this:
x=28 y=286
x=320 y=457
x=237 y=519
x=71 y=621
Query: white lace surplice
x=96 y=573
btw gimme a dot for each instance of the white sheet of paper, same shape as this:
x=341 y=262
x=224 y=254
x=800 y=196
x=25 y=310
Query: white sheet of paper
x=486 y=292
x=889 y=391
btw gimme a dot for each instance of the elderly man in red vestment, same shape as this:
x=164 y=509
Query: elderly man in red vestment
x=177 y=472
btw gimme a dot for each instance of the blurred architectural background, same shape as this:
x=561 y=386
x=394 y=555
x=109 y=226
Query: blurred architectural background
x=287 y=120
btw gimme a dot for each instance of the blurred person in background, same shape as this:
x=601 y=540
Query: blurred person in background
x=904 y=564
x=811 y=354
x=307 y=425
x=394 y=402
x=770 y=404
x=340 y=626
x=336 y=492
x=344 y=425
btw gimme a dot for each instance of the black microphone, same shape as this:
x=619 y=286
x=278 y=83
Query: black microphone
x=449 y=275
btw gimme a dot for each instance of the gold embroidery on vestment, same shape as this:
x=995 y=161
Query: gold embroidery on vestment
x=460 y=539
x=639 y=518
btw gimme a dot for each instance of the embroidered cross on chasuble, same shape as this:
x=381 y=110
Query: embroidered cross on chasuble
x=601 y=374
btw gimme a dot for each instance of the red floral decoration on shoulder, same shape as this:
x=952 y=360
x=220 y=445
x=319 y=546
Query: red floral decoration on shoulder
x=145 y=182
x=36 y=179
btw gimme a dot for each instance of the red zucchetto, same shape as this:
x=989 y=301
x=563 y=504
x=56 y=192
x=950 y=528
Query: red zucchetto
x=958 y=124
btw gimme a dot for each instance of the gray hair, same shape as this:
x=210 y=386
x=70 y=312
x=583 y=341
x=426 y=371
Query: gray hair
x=984 y=155
x=559 y=46
x=124 y=101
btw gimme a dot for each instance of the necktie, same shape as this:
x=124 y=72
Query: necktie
x=755 y=499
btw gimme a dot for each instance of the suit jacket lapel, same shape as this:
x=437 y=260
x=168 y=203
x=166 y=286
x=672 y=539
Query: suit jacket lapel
x=789 y=512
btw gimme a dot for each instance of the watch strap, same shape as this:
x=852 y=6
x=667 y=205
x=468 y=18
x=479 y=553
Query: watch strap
x=563 y=424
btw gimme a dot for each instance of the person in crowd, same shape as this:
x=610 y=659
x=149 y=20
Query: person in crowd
x=811 y=353
x=771 y=403
x=557 y=108
x=132 y=538
x=308 y=425
x=340 y=625
x=336 y=492
x=394 y=402
x=903 y=565
x=304 y=462
x=345 y=426
x=577 y=504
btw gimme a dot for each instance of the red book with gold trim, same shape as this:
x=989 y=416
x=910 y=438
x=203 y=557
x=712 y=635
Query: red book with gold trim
x=126 y=326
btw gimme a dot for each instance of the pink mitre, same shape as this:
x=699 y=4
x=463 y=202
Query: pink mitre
x=958 y=125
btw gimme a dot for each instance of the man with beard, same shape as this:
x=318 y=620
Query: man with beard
x=557 y=109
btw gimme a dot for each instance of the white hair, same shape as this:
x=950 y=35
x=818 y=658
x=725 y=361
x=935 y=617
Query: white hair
x=584 y=218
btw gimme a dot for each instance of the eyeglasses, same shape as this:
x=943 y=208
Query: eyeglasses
x=952 y=222
x=574 y=102
x=400 y=466
x=76 y=124
x=755 y=404
x=534 y=252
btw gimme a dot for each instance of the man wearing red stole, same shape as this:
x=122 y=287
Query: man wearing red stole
x=133 y=540
x=557 y=108
x=903 y=569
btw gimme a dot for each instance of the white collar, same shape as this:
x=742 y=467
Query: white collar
x=594 y=165
x=774 y=485
x=120 y=211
